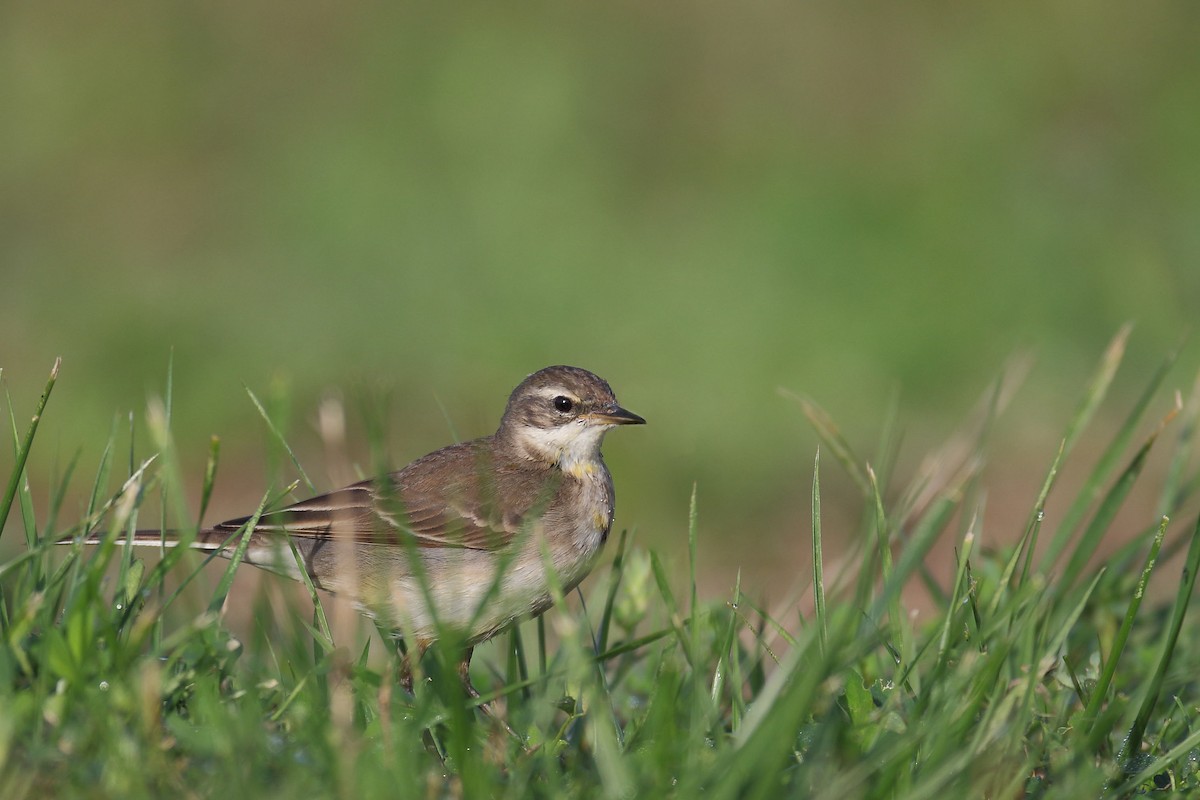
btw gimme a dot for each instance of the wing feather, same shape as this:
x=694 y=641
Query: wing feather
x=439 y=501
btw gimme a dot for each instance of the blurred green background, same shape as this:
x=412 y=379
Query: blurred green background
x=702 y=202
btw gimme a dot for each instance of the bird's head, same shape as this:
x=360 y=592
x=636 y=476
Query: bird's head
x=560 y=414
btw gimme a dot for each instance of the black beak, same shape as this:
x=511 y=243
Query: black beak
x=615 y=415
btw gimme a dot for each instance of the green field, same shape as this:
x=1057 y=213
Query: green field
x=1033 y=673
x=735 y=214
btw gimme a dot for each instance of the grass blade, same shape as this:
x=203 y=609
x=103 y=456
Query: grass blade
x=960 y=578
x=1107 y=463
x=1187 y=584
x=275 y=432
x=1109 y=506
x=617 y=573
x=1098 y=388
x=14 y=480
x=210 y=478
x=235 y=558
x=818 y=576
x=829 y=433
x=1100 y=691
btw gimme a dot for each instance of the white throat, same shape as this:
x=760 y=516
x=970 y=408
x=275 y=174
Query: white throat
x=575 y=446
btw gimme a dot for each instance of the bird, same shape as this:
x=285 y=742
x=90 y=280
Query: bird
x=475 y=537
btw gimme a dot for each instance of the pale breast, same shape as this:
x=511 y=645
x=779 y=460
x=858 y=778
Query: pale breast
x=588 y=496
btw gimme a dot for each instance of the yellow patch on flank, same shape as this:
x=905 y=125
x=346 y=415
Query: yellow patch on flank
x=600 y=521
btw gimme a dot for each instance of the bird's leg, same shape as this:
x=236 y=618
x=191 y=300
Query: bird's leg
x=407 y=662
x=406 y=676
x=464 y=675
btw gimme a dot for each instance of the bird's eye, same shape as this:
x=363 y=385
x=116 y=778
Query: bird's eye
x=563 y=404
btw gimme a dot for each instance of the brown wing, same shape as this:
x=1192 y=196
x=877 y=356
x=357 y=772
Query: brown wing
x=446 y=499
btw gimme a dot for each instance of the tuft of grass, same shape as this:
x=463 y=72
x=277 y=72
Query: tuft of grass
x=1038 y=674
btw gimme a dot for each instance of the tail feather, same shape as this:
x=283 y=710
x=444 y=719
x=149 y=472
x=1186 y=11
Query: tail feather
x=208 y=539
x=266 y=550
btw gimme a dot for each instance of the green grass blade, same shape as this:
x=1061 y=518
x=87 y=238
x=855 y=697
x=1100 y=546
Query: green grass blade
x=1059 y=630
x=616 y=574
x=235 y=558
x=887 y=449
x=322 y=621
x=60 y=495
x=817 y=566
x=766 y=735
x=279 y=437
x=103 y=469
x=25 y=445
x=1033 y=527
x=1100 y=692
x=1183 y=597
x=28 y=517
x=210 y=477
x=829 y=433
x=925 y=533
x=1109 y=506
x=1098 y=388
x=883 y=533
x=1174 y=484
x=1104 y=467
x=1157 y=766
x=960 y=578
x=727 y=658
x=693 y=606
x=672 y=608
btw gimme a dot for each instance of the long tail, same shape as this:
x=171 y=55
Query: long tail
x=208 y=539
x=267 y=550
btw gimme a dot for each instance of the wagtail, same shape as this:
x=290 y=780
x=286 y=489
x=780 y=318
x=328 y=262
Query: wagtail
x=465 y=537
